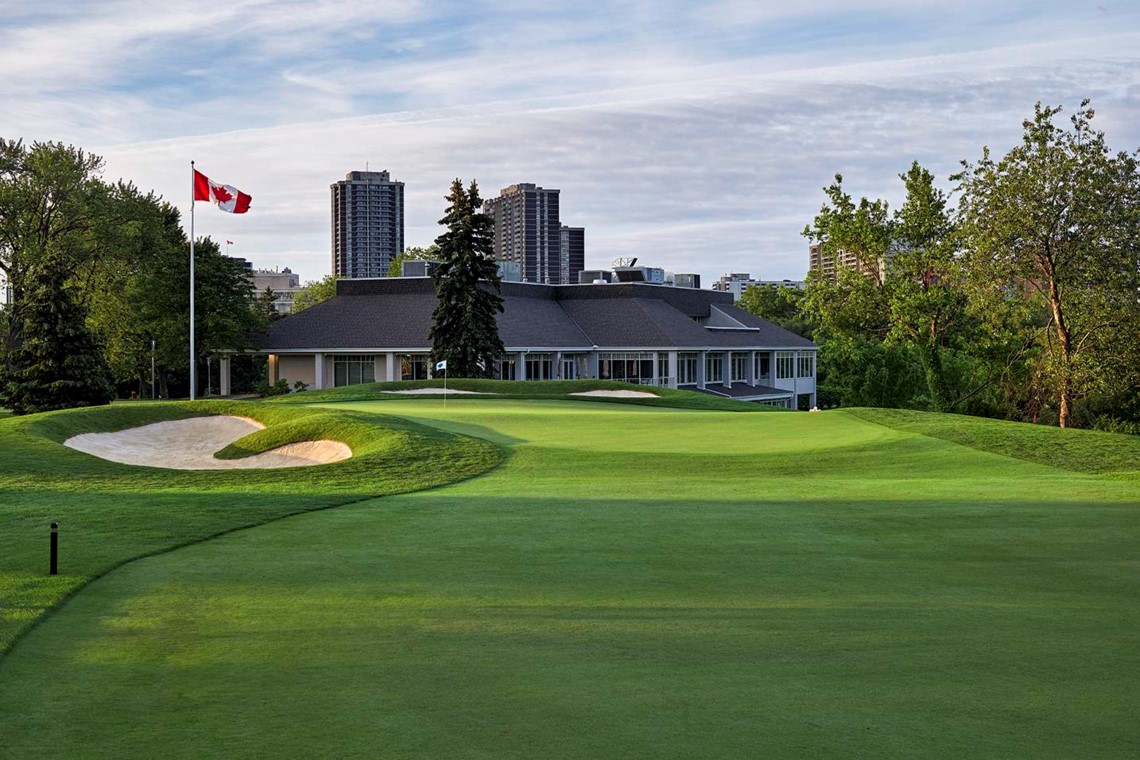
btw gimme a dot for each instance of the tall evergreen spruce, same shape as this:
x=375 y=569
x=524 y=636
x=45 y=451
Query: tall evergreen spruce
x=464 y=332
x=59 y=363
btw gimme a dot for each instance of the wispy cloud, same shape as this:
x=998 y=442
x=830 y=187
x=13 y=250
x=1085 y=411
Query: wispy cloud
x=695 y=136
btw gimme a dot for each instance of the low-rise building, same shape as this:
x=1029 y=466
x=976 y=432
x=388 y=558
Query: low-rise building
x=377 y=329
x=685 y=280
x=284 y=284
x=738 y=282
x=418 y=268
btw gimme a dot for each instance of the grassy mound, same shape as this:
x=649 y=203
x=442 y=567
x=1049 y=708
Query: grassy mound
x=1075 y=450
x=531 y=389
x=111 y=513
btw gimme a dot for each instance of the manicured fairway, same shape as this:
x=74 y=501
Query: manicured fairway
x=110 y=513
x=632 y=582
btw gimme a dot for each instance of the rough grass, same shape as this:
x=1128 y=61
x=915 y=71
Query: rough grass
x=1076 y=450
x=633 y=583
x=110 y=513
x=530 y=389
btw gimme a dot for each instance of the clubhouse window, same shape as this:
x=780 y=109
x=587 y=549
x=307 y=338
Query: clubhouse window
x=573 y=366
x=539 y=367
x=413 y=367
x=630 y=367
x=763 y=366
x=714 y=368
x=805 y=365
x=354 y=370
x=785 y=365
x=739 y=367
x=686 y=369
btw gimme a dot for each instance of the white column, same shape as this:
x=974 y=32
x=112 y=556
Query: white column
x=701 y=357
x=814 y=377
x=795 y=380
x=318 y=371
x=224 y=376
x=656 y=371
x=750 y=376
x=556 y=367
x=520 y=366
x=726 y=369
x=390 y=367
x=672 y=369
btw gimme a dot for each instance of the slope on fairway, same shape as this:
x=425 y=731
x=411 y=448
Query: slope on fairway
x=1075 y=450
x=110 y=513
x=631 y=583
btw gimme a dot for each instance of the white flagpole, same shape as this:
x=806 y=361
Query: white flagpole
x=193 y=374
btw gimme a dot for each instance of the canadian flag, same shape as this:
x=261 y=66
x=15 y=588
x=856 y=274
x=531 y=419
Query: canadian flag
x=226 y=197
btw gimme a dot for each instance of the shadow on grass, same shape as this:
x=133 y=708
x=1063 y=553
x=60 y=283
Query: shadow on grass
x=671 y=628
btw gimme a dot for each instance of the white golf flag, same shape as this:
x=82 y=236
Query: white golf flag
x=441 y=365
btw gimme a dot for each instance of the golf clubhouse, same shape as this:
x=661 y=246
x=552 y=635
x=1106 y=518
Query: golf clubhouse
x=377 y=330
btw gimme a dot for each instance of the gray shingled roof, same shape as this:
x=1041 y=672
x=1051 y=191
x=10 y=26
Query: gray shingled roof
x=538 y=323
x=396 y=314
x=354 y=322
x=771 y=335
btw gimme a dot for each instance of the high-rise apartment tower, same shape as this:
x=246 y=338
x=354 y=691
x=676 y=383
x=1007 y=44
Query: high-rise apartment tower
x=829 y=264
x=367 y=224
x=573 y=254
x=529 y=233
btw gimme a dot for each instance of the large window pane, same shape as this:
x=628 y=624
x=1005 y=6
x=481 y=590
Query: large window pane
x=714 y=368
x=353 y=370
x=785 y=365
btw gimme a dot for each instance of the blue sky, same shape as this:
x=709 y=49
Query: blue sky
x=696 y=136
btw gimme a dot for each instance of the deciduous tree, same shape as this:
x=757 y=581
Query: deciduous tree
x=781 y=306
x=314 y=293
x=1057 y=220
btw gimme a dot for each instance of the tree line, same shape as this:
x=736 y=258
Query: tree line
x=1020 y=301
x=99 y=273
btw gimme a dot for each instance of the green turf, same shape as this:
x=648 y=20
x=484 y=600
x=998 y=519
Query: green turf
x=529 y=389
x=110 y=513
x=1076 y=450
x=634 y=583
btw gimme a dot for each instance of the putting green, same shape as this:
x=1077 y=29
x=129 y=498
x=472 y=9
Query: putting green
x=632 y=582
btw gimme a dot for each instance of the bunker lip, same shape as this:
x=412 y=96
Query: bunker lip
x=190 y=444
x=617 y=394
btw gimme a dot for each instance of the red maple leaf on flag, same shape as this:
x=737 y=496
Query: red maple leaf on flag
x=227 y=197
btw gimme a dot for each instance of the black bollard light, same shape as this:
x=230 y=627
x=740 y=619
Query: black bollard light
x=54 y=565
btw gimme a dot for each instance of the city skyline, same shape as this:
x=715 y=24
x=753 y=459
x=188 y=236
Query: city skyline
x=696 y=137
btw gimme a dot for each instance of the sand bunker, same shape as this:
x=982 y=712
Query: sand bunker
x=617 y=394
x=190 y=445
x=440 y=392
